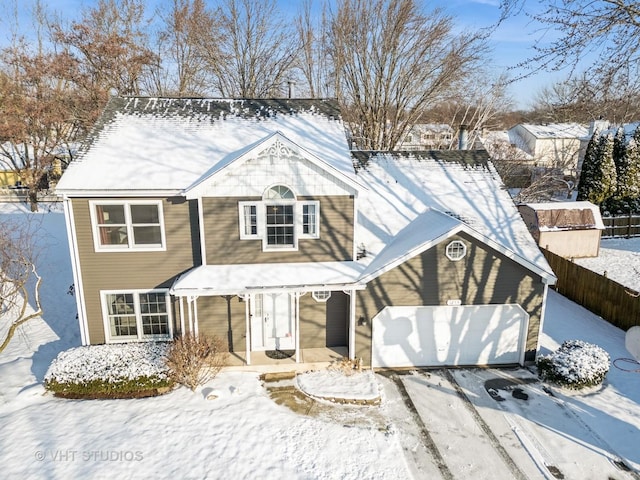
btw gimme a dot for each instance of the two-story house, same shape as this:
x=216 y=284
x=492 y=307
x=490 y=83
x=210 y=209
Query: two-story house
x=251 y=220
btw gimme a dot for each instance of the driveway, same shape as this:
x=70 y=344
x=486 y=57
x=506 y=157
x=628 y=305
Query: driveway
x=495 y=424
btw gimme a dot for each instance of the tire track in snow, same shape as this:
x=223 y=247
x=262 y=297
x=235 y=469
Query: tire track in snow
x=427 y=440
x=493 y=440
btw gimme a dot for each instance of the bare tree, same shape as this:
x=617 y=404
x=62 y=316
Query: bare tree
x=608 y=30
x=180 y=70
x=580 y=99
x=19 y=279
x=251 y=49
x=392 y=62
x=476 y=105
x=110 y=45
x=36 y=115
x=314 y=61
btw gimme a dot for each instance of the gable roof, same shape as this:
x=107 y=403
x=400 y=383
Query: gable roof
x=147 y=146
x=555 y=130
x=557 y=216
x=276 y=139
x=417 y=199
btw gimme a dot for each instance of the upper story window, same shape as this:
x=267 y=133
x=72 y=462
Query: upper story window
x=279 y=220
x=127 y=225
x=456 y=250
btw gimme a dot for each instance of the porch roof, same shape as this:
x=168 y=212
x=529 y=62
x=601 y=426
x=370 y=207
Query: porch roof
x=251 y=278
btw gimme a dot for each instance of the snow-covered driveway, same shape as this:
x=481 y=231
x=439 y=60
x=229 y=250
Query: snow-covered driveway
x=487 y=423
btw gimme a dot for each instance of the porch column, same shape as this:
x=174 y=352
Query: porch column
x=181 y=299
x=195 y=316
x=352 y=324
x=190 y=314
x=247 y=308
x=296 y=313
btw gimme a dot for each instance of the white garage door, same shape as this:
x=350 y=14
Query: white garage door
x=444 y=335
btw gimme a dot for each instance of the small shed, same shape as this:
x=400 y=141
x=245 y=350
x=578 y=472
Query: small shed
x=569 y=229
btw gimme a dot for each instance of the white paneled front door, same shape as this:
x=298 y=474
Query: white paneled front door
x=272 y=325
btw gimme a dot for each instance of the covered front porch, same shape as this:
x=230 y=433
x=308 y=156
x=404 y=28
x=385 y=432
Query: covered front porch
x=272 y=326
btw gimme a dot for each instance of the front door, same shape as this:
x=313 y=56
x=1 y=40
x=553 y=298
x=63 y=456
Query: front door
x=272 y=326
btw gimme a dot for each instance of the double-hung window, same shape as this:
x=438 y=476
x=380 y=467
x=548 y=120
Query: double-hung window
x=136 y=315
x=127 y=225
x=279 y=219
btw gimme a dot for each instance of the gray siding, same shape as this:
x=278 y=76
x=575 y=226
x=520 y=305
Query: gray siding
x=223 y=244
x=225 y=318
x=132 y=270
x=324 y=324
x=484 y=276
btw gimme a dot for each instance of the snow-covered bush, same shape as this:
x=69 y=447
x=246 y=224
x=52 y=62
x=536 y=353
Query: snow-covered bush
x=110 y=371
x=576 y=364
x=193 y=361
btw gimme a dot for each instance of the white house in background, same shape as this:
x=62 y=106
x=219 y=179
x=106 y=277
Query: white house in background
x=553 y=145
x=427 y=136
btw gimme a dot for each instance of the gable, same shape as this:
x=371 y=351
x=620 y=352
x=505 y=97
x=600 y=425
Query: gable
x=274 y=160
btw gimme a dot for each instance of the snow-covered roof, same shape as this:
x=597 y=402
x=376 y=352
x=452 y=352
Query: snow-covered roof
x=234 y=279
x=165 y=145
x=557 y=130
x=554 y=216
x=415 y=200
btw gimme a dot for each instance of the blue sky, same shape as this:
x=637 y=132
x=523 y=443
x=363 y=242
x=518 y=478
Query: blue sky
x=512 y=42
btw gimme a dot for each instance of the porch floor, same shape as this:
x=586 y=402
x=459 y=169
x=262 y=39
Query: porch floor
x=310 y=359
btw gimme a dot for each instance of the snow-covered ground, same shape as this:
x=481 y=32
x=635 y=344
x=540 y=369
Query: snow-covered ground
x=243 y=433
x=619 y=259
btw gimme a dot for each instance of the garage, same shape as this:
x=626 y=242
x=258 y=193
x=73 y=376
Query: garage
x=405 y=336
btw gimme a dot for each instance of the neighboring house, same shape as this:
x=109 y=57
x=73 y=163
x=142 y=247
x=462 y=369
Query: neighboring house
x=247 y=219
x=569 y=229
x=554 y=145
x=427 y=136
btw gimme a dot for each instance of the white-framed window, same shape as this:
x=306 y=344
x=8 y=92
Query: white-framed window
x=127 y=225
x=456 y=250
x=279 y=219
x=135 y=315
x=321 y=295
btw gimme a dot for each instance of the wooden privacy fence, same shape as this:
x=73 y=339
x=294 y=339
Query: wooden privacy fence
x=621 y=226
x=615 y=303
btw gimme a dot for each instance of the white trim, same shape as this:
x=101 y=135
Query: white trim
x=300 y=204
x=131 y=246
x=140 y=337
x=247 y=311
x=320 y=298
x=296 y=324
x=352 y=324
x=79 y=193
x=182 y=326
x=241 y=220
x=462 y=251
x=355 y=222
x=547 y=277
x=195 y=316
x=76 y=271
x=197 y=188
x=543 y=311
x=203 y=248
x=190 y=314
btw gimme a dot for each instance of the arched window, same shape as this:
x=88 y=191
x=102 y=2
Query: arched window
x=280 y=220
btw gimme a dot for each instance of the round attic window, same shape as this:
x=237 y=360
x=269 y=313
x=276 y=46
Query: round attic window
x=456 y=250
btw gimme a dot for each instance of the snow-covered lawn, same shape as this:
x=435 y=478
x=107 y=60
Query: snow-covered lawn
x=243 y=433
x=619 y=259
